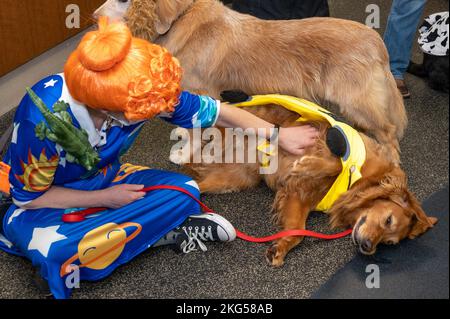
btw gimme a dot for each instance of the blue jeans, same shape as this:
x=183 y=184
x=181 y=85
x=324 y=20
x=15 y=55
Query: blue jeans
x=400 y=30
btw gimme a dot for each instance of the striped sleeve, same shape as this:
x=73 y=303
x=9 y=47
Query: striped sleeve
x=194 y=111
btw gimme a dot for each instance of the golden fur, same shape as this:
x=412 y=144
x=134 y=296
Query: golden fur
x=379 y=197
x=334 y=62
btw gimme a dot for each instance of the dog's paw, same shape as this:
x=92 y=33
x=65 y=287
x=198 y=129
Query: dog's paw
x=274 y=257
x=302 y=166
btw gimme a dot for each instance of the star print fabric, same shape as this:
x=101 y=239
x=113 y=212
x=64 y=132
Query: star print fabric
x=94 y=248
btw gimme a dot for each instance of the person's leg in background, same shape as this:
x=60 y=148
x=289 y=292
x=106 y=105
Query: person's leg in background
x=399 y=36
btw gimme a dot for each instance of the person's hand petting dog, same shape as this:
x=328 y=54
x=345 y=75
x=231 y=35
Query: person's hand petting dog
x=296 y=139
x=292 y=139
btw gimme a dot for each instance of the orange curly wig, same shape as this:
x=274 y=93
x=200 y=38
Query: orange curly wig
x=111 y=70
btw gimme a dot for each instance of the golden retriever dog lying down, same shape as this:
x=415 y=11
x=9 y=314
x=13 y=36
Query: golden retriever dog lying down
x=336 y=63
x=379 y=207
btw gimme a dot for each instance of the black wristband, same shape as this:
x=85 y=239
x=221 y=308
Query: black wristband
x=276 y=131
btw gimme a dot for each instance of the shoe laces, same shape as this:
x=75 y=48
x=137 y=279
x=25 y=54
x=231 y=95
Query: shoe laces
x=195 y=237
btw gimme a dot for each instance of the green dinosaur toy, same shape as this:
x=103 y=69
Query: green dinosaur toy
x=61 y=130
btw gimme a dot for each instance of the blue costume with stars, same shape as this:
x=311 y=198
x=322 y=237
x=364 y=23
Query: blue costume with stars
x=112 y=237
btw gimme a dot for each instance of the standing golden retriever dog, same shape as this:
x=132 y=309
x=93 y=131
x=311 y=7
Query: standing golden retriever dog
x=379 y=207
x=330 y=61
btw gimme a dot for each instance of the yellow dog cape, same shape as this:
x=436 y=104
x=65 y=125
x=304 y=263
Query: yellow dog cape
x=355 y=154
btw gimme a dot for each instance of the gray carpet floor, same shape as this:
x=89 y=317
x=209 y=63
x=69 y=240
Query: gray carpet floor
x=238 y=269
x=414 y=270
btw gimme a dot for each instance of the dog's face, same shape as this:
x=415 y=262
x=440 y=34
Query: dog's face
x=387 y=222
x=381 y=210
x=147 y=19
x=114 y=9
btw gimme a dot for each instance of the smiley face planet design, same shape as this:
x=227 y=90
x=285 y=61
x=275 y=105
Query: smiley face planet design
x=100 y=247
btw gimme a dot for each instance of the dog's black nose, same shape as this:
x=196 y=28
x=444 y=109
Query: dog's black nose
x=366 y=245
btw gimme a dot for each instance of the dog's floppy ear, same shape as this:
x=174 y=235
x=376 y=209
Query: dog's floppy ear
x=141 y=17
x=400 y=195
x=345 y=209
x=396 y=183
x=421 y=222
x=388 y=186
x=167 y=12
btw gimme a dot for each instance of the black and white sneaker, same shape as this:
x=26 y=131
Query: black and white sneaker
x=42 y=284
x=198 y=229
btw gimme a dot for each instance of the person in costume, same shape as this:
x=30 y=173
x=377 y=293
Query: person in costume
x=70 y=131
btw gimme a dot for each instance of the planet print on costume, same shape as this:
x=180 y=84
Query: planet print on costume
x=101 y=246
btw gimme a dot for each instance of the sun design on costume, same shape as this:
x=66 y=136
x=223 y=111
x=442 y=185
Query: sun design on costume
x=104 y=170
x=126 y=170
x=38 y=173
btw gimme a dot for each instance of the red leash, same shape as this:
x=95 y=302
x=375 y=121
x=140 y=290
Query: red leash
x=287 y=233
x=81 y=215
